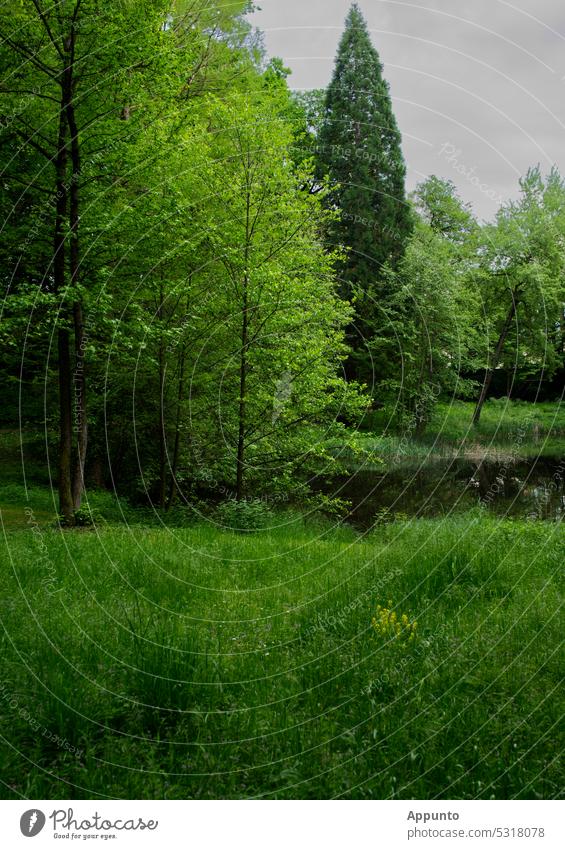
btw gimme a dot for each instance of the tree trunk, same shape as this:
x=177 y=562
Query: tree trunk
x=496 y=358
x=66 y=428
x=162 y=431
x=97 y=471
x=240 y=461
x=240 y=474
x=81 y=424
x=173 y=487
x=79 y=377
x=63 y=342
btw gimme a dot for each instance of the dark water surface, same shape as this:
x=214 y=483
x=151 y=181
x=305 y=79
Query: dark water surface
x=522 y=489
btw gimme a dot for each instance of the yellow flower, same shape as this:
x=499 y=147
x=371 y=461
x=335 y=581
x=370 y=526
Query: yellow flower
x=388 y=625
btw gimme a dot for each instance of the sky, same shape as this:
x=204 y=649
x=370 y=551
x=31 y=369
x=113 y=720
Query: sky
x=478 y=87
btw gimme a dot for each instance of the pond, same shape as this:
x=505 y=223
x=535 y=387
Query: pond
x=532 y=489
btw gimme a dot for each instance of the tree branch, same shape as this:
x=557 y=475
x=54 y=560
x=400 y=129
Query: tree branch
x=45 y=23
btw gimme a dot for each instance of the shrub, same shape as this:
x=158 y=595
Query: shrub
x=86 y=517
x=245 y=515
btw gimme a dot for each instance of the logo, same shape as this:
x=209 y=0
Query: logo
x=32 y=822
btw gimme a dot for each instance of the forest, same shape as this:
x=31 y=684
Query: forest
x=282 y=442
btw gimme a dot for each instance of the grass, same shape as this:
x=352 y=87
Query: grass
x=502 y=422
x=41 y=508
x=507 y=429
x=143 y=662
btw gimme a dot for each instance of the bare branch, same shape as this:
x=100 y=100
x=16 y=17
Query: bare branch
x=45 y=23
x=23 y=51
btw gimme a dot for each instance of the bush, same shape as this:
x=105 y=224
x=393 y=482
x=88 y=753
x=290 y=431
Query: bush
x=86 y=517
x=245 y=515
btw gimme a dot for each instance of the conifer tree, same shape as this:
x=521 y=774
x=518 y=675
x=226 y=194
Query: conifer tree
x=359 y=151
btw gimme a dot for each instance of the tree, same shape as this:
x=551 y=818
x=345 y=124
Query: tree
x=176 y=250
x=269 y=371
x=83 y=81
x=520 y=276
x=309 y=110
x=434 y=305
x=359 y=151
x=74 y=93
x=438 y=204
x=152 y=246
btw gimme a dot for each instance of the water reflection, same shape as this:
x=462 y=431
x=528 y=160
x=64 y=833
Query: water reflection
x=528 y=489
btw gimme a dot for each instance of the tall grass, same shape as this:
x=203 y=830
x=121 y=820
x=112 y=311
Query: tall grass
x=525 y=429
x=199 y=663
x=502 y=421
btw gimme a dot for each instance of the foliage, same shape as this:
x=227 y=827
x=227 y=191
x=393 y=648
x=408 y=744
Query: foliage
x=246 y=515
x=277 y=338
x=201 y=258
x=520 y=273
x=86 y=517
x=359 y=152
x=433 y=311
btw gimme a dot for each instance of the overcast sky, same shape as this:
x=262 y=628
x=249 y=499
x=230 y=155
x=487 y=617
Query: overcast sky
x=477 y=86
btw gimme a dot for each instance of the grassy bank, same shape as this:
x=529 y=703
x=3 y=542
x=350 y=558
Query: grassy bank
x=140 y=662
x=507 y=430
x=530 y=428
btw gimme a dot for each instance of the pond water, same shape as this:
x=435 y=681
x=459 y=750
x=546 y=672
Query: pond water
x=522 y=489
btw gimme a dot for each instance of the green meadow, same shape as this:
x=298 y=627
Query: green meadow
x=143 y=661
x=507 y=430
x=266 y=529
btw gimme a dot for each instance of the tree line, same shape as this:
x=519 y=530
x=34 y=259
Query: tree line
x=209 y=278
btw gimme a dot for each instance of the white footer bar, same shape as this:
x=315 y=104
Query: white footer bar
x=283 y=825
